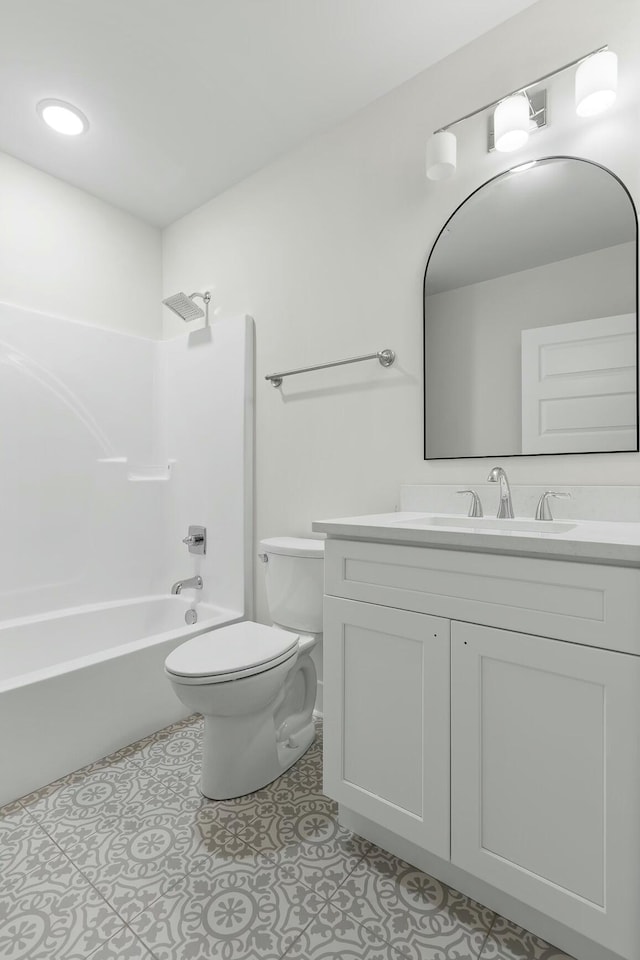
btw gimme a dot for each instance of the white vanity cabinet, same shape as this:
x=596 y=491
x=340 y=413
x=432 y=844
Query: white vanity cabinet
x=386 y=730
x=513 y=758
x=545 y=776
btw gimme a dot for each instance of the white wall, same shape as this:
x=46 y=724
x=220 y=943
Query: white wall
x=68 y=254
x=327 y=248
x=474 y=348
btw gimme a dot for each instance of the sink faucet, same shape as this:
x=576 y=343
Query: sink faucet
x=179 y=585
x=505 y=507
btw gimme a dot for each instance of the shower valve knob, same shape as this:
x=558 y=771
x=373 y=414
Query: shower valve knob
x=196 y=540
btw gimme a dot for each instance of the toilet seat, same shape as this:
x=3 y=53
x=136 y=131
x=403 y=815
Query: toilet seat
x=230 y=653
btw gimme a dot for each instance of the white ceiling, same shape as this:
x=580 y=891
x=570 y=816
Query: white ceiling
x=187 y=97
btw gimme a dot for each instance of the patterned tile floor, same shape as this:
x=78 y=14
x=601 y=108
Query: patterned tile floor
x=125 y=860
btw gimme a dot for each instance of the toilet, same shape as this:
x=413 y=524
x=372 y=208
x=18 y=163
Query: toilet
x=255 y=684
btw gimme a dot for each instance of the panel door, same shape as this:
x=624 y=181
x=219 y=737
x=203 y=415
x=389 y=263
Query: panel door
x=386 y=710
x=579 y=386
x=545 y=777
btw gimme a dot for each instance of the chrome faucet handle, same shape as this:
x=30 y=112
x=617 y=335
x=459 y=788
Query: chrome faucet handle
x=196 y=539
x=475 y=506
x=543 y=510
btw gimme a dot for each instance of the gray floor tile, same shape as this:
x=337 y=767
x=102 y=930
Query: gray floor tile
x=264 y=876
x=305 y=838
x=229 y=908
x=507 y=941
x=333 y=935
x=23 y=844
x=53 y=912
x=136 y=861
x=297 y=829
x=173 y=756
x=303 y=779
x=123 y=946
x=271 y=821
x=419 y=916
x=97 y=800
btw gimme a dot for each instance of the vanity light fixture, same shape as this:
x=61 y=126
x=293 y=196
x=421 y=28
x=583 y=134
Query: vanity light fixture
x=63 y=117
x=596 y=83
x=441 y=155
x=521 y=112
x=511 y=123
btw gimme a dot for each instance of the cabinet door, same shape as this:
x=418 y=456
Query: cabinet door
x=386 y=706
x=545 y=777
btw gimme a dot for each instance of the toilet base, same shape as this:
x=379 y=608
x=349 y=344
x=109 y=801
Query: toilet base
x=255 y=726
x=241 y=754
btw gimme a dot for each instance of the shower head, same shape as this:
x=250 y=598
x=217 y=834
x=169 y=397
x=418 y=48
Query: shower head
x=186 y=309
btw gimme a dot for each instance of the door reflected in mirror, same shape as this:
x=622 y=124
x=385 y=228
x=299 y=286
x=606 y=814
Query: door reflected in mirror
x=530 y=317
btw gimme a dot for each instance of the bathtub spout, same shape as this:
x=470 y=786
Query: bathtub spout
x=179 y=585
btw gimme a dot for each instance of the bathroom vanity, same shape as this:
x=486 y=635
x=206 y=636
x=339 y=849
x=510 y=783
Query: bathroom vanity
x=482 y=712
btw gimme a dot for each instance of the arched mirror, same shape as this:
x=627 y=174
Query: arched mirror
x=531 y=317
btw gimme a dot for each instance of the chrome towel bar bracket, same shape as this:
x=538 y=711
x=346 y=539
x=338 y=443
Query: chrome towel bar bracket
x=384 y=357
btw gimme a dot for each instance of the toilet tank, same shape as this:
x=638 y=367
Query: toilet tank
x=294 y=576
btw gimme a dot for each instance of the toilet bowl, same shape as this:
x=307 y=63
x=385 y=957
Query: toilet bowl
x=256 y=684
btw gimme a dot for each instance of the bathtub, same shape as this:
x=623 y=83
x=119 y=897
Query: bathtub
x=78 y=684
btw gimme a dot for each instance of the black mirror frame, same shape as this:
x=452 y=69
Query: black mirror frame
x=499 y=456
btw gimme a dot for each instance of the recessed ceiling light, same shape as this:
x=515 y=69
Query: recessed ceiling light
x=63 y=117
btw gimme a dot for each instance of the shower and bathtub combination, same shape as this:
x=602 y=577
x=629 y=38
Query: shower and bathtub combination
x=112 y=449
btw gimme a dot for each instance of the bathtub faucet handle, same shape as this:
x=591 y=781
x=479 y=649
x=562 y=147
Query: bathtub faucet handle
x=196 y=539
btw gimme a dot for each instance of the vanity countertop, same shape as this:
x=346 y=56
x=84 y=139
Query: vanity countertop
x=586 y=541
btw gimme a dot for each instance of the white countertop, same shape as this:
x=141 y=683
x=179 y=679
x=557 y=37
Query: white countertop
x=589 y=541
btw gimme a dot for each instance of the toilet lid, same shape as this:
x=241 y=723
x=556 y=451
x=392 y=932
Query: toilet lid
x=239 y=648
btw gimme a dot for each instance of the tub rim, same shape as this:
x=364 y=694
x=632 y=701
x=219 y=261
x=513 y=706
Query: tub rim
x=220 y=616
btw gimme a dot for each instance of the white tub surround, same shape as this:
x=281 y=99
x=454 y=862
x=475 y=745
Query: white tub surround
x=76 y=416
x=81 y=683
x=510 y=675
x=206 y=410
x=113 y=446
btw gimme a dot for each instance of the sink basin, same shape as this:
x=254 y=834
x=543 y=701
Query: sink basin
x=490 y=523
